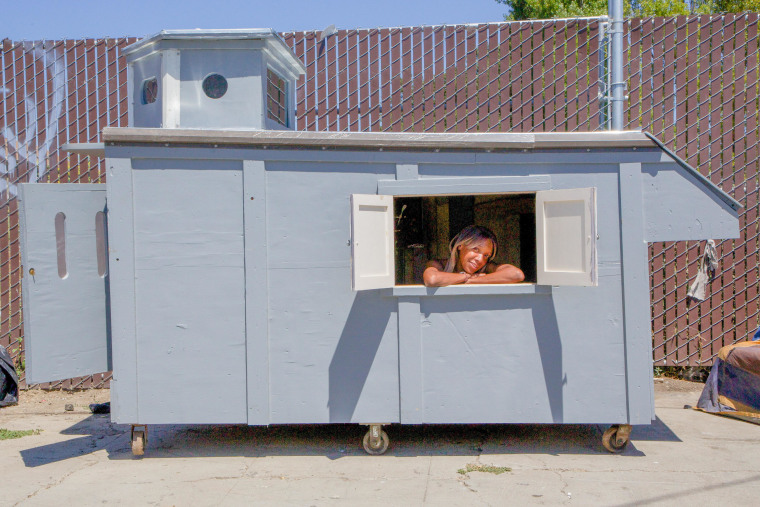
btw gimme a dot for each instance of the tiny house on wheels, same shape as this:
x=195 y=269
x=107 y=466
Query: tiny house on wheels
x=234 y=271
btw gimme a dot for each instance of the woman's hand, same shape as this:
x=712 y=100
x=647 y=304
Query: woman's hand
x=504 y=273
x=435 y=276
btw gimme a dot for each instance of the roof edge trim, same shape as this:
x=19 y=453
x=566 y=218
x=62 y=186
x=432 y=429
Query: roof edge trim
x=736 y=205
x=381 y=140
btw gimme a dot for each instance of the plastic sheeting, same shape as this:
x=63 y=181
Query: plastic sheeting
x=733 y=387
x=8 y=380
x=708 y=266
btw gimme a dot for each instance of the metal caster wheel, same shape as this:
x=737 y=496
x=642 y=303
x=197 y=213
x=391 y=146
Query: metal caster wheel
x=139 y=440
x=616 y=438
x=375 y=440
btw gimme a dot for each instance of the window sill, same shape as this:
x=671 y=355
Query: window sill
x=469 y=290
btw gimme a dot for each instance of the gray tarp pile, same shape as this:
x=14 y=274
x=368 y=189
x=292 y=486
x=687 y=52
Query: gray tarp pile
x=8 y=379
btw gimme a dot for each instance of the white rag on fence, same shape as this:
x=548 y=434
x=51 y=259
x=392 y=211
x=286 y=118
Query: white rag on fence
x=708 y=266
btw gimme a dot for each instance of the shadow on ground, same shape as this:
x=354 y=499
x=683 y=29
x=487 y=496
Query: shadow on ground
x=334 y=441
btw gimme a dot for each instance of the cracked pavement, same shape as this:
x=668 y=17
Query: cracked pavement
x=83 y=459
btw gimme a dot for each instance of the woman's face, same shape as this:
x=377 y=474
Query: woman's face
x=474 y=256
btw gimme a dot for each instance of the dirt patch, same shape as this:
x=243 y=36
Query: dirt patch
x=673 y=385
x=38 y=401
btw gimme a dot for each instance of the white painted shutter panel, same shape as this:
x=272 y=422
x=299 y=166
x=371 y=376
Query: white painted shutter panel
x=566 y=237
x=372 y=241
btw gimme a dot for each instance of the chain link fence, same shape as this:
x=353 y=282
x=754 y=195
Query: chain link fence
x=515 y=77
x=693 y=82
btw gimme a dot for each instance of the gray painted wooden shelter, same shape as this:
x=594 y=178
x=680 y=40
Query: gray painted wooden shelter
x=272 y=277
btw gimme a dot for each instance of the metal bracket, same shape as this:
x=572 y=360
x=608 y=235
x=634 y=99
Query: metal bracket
x=138 y=427
x=375 y=434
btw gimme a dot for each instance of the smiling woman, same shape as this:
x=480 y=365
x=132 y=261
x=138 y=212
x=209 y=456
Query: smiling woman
x=471 y=261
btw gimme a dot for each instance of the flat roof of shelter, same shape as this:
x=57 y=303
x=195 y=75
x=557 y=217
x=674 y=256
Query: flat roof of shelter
x=385 y=140
x=395 y=141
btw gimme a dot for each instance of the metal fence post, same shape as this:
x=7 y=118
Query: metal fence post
x=617 y=84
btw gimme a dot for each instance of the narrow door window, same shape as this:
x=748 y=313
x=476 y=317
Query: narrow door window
x=100 y=242
x=60 y=243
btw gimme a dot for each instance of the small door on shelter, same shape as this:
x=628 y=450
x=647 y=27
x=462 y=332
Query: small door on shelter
x=65 y=268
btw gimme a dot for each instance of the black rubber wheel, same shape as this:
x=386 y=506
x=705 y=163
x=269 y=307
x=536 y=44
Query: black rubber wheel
x=138 y=443
x=611 y=442
x=380 y=448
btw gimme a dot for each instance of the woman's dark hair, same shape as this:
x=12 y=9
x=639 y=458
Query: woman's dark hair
x=467 y=236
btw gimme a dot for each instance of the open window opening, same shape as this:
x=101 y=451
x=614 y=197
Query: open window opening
x=549 y=234
x=277 y=98
x=424 y=227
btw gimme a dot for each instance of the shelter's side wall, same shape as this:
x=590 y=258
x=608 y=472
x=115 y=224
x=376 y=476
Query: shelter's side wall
x=233 y=109
x=189 y=285
x=518 y=358
x=677 y=207
x=333 y=353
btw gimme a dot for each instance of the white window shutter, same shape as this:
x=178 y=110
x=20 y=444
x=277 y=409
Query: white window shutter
x=566 y=237
x=372 y=241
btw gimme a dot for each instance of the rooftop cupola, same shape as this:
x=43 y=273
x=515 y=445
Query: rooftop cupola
x=218 y=79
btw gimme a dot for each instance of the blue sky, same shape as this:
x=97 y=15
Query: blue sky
x=59 y=19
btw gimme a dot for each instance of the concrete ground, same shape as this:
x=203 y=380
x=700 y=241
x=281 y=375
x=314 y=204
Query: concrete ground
x=82 y=459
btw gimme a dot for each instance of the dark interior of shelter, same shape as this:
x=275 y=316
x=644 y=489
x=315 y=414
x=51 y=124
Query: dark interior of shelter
x=425 y=226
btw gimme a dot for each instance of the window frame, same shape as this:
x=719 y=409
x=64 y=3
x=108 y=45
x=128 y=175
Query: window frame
x=436 y=187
